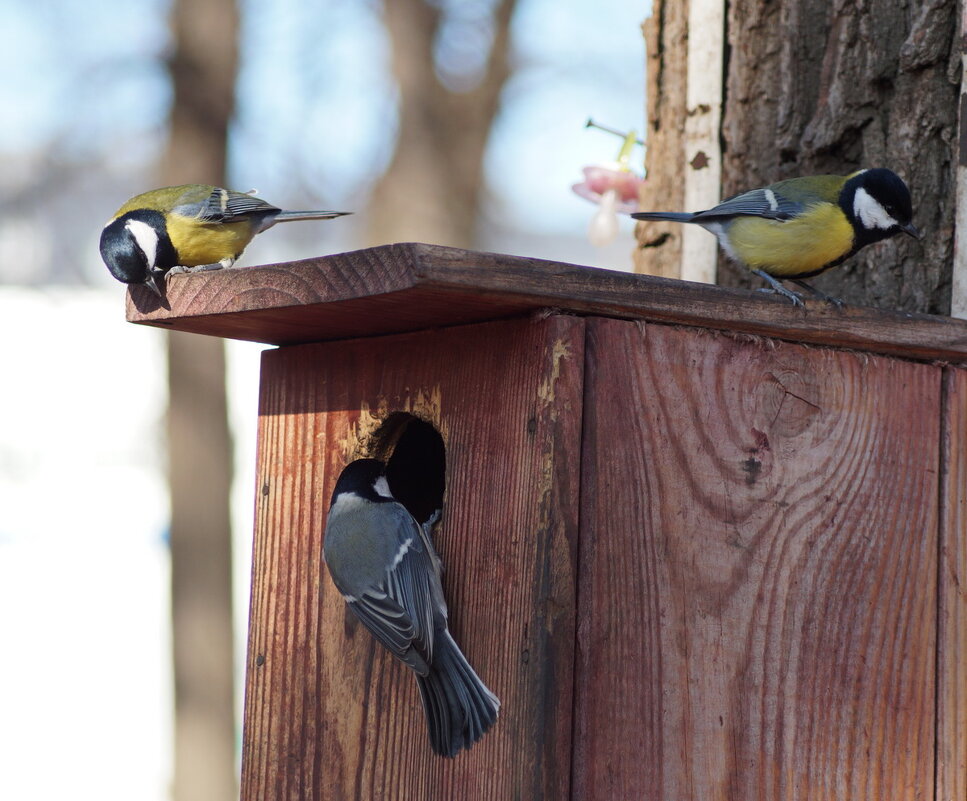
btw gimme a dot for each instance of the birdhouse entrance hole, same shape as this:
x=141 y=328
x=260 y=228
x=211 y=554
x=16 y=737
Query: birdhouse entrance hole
x=416 y=462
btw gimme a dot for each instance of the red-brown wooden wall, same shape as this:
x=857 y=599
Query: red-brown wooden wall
x=329 y=715
x=747 y=609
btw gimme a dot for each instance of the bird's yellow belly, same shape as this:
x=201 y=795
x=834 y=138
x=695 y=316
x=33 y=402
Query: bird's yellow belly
x=795 y=247
x=198 y=243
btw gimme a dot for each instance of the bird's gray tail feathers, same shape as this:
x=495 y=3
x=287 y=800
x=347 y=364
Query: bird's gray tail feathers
x=289 y=216
x=671 y=216
x=459 y=708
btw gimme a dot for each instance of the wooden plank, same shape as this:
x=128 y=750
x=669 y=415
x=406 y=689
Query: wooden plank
x=328 y=714
x=757 y=590
x=952 y=622
x=409 y=287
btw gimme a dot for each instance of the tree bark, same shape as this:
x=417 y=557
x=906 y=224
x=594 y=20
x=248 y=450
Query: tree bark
x=659 y=248
x=431 y=191
x=815 y=87
x=203 y=68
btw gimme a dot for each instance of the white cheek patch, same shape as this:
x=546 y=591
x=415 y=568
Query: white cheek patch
x=382 y=487
x=146 y=238
x=870 y=213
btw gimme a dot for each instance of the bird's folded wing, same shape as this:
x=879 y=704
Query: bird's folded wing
x=756 y=203
x=224 y=205
x=400 y=613
x=386 y=620
x=410 y=585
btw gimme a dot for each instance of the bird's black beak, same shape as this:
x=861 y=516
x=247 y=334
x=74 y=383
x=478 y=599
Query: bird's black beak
x=911 y=229
x=151 y=282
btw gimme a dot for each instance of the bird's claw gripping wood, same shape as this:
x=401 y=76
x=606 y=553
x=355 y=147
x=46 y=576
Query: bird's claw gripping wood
x=777 y=288
x=201 y=268
x=793 y=297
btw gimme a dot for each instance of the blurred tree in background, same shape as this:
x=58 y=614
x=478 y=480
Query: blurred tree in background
x=432 y=190
x=203 y=67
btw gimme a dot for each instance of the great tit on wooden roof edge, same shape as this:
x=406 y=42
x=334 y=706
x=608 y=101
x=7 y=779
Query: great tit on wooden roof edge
x=187 y=226
x=801 y=227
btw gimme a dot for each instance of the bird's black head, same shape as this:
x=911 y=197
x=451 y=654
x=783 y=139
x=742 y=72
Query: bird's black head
x=877 y=203
x=359 y=477
x=136 y=247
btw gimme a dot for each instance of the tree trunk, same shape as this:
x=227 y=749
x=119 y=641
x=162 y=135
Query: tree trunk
x=432 y=189
x=814 y=87
x=203 y=69
x=659 y=250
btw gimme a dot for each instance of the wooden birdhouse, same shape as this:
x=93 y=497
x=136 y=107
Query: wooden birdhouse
x=702 y=544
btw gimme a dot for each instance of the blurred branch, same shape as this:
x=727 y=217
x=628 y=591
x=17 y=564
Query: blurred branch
x=431 y=190
x=203 y=67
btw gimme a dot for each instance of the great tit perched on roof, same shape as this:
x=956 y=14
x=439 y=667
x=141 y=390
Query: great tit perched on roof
x=800 y=227
x=187 y=226
x=383 y=562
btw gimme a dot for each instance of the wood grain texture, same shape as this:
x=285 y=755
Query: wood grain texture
x=757 y=613
x=329 y=714
x=409 y=287
x=952 y=622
